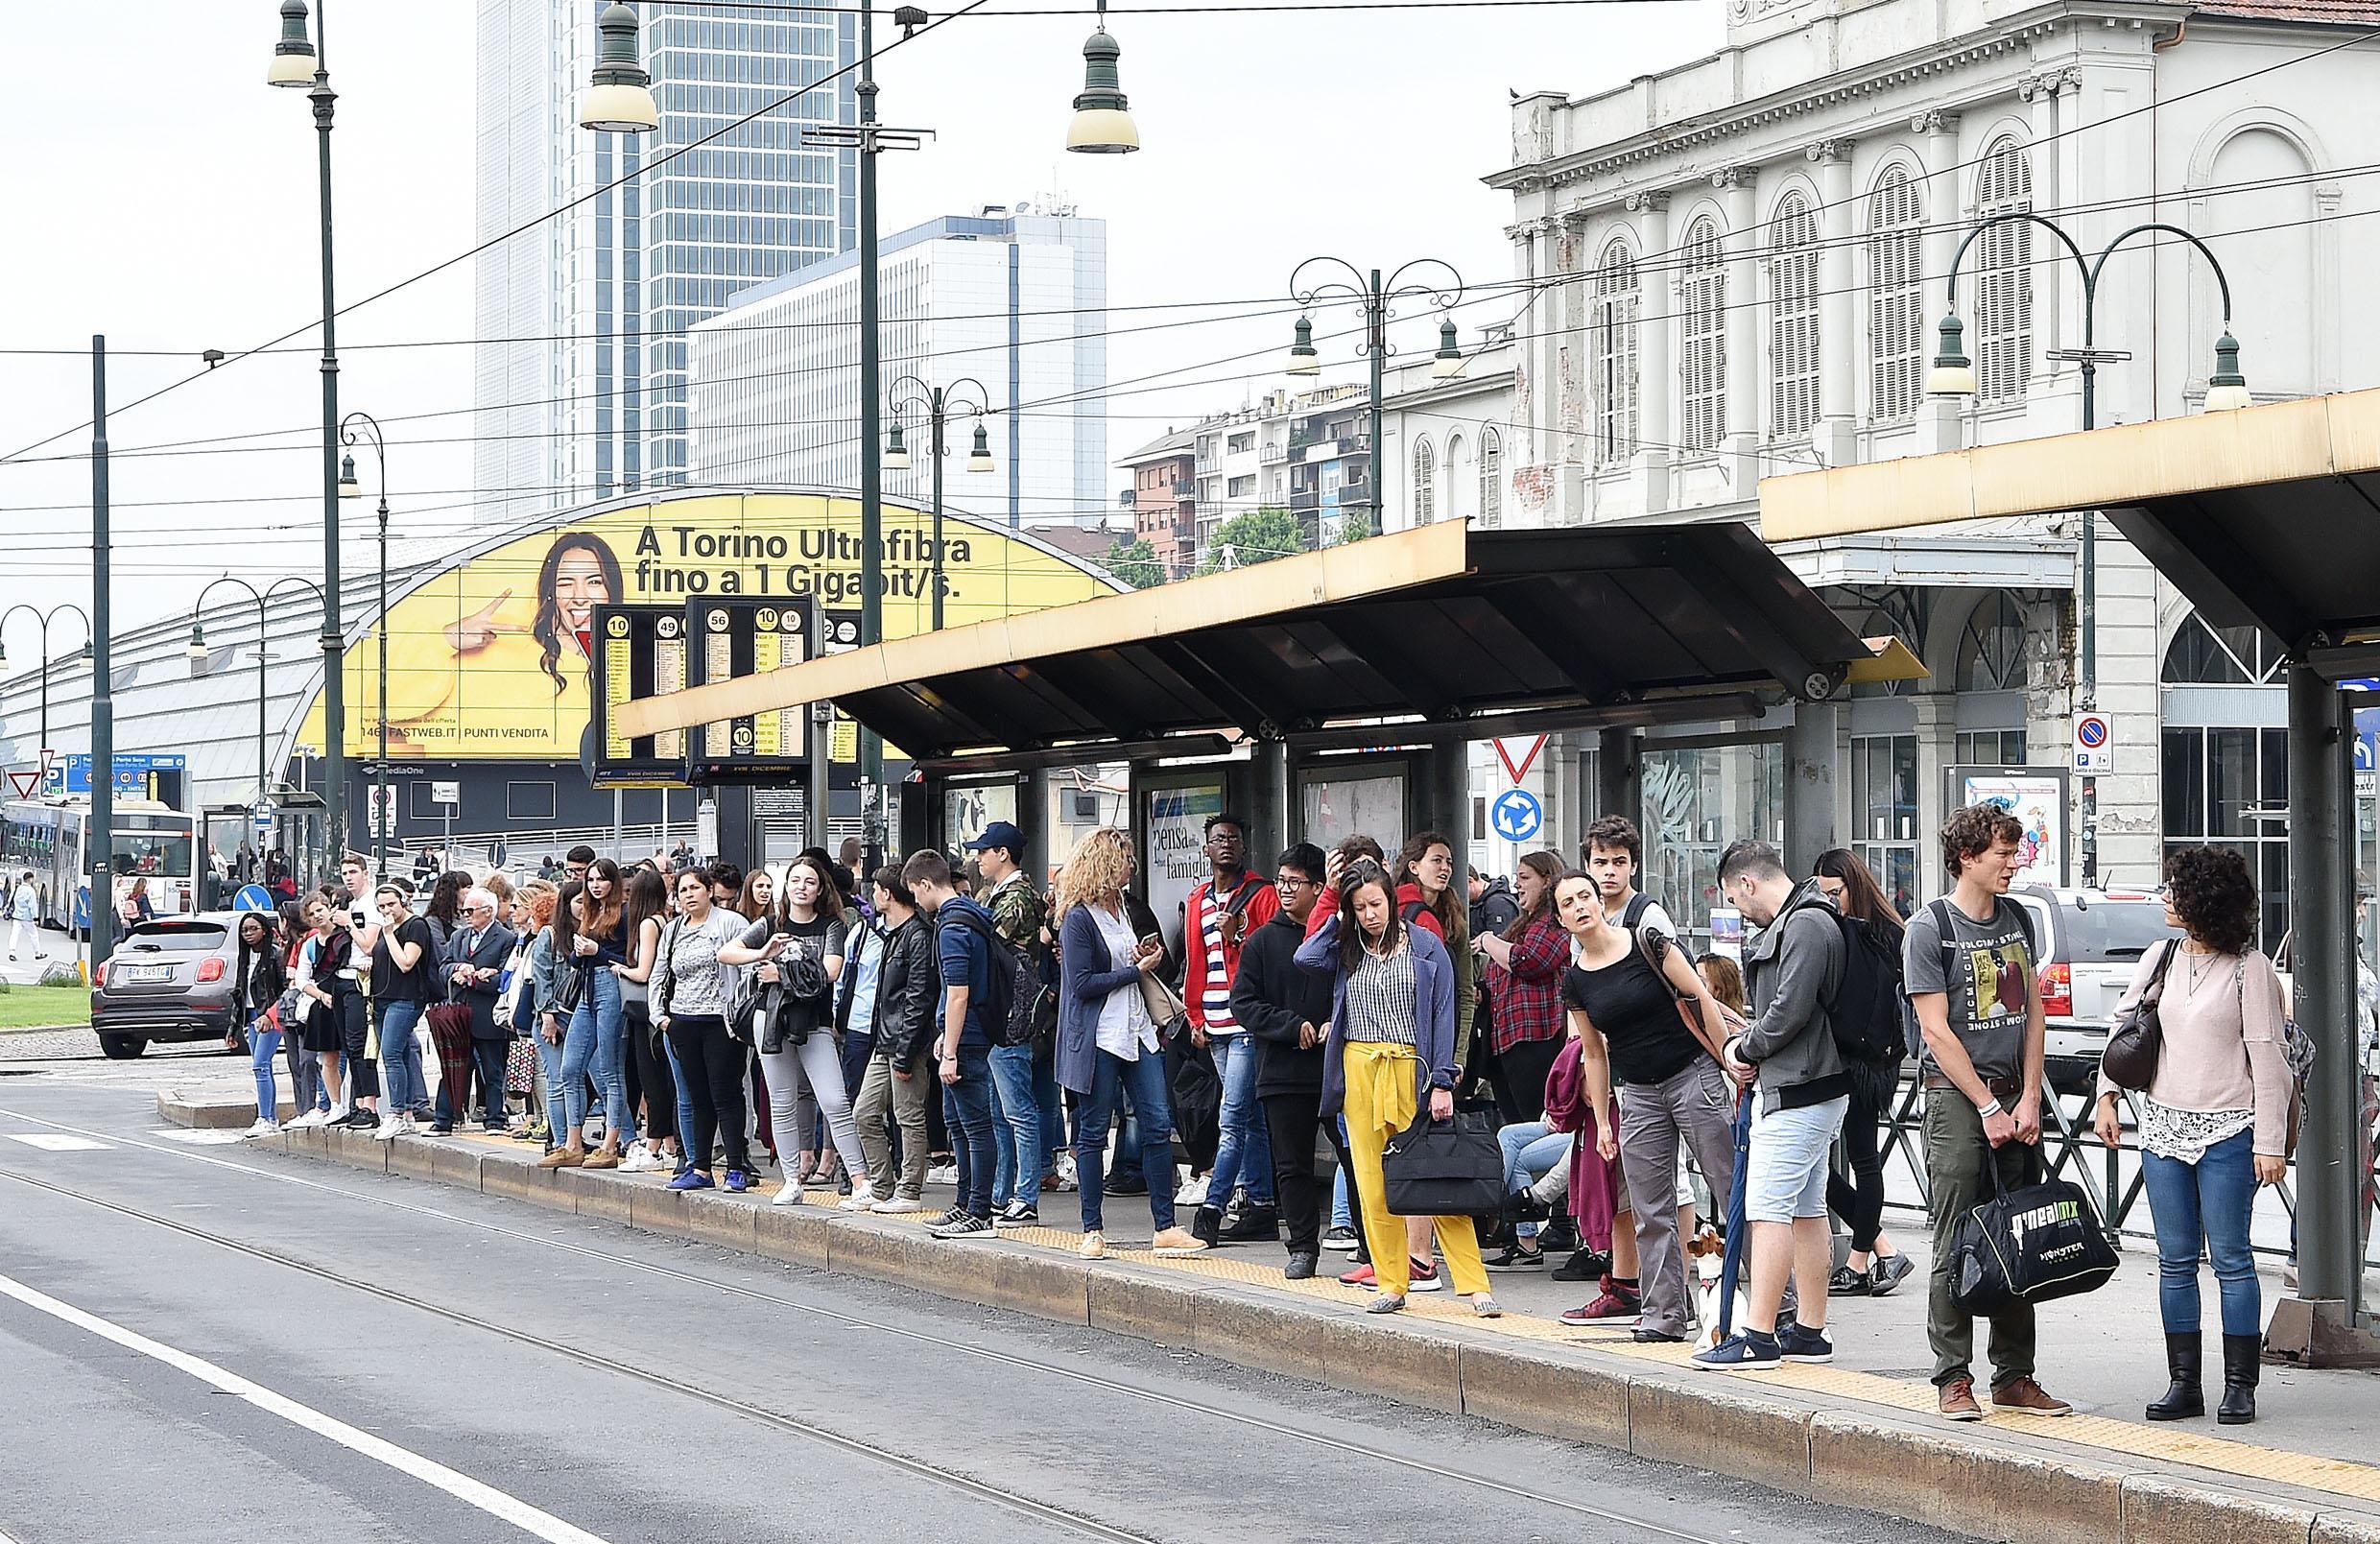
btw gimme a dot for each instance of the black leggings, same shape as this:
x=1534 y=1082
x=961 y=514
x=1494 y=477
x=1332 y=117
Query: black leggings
x=361 y=1072
x=652 y=1070
x=1517 y=1075
x=713 y=1062
x=1860 y=1200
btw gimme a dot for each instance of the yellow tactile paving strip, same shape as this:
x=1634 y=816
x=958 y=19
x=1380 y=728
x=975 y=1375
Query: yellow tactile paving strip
x=2118 y=1437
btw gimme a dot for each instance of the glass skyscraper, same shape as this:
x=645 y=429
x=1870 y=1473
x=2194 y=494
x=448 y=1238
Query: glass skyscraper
x=581 y=379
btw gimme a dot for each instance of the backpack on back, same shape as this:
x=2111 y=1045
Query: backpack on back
x=1865 y=1010
x=1013 y=1002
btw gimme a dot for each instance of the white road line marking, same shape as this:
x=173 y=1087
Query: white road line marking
x=50 y=1142
x=202 y=1139
x=461 y=1486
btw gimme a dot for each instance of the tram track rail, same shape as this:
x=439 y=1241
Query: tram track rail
x=1515 y=1494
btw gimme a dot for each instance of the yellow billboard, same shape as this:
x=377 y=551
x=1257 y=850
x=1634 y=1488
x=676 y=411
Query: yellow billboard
x=489 y=659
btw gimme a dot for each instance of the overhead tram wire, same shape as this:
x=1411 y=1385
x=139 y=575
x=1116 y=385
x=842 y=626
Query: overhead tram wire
x=1128 y=389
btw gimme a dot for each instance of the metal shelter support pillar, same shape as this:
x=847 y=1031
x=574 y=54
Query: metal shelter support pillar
x=1809 y=773
x=1271 y=806
x=2322 y=1326
x=1619 y=779
x=921 y=818
x=1449 y=799
x=1037 y=813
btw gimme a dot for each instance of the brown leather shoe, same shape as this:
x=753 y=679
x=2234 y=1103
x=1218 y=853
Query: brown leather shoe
x=562 y=1159
x=2026 y=1397
x=1956 y=1400
x=602 y=1158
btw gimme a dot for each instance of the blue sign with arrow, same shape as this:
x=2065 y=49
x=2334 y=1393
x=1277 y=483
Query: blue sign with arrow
x=1516 y=815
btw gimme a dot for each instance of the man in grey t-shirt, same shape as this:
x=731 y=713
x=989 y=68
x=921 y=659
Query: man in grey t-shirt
x=1980 y=1010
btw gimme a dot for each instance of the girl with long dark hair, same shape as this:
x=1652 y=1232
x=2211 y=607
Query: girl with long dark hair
x=567 y=1039
x=1390 y=1059
x=597 y=1043
x=647 y=912
x=1859 y=1200
x=1525 y=964
x=798 y=1042
x=257 y=983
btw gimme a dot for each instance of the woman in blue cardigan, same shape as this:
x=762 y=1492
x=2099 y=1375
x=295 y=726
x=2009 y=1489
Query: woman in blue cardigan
x=1106 y=1041
x=1390 y=1055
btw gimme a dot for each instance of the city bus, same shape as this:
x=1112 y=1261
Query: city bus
x=51 y=838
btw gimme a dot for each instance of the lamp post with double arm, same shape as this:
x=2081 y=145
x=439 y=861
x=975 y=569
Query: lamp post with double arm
x=1953 y=374
x=1378 y=298
x=199 y=653
x=363 y=425
x=44 y=618
x=967 y=395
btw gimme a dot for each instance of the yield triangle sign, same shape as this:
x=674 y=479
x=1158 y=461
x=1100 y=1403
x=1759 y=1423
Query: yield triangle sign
x=24 y=782
x=1528 y=757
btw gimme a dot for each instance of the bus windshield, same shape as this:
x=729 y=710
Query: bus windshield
x=157 y=854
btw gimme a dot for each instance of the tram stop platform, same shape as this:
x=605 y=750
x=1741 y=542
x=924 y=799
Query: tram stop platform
x=1859 y=1432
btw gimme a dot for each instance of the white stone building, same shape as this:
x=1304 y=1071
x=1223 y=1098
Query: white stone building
x=1742 y=265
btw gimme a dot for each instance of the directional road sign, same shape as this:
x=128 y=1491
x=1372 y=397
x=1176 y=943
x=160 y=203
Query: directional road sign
x=1516 y=815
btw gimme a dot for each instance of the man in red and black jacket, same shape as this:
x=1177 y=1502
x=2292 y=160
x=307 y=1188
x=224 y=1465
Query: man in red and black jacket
x=1217 y=917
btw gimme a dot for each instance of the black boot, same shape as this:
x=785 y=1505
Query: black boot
x=2240 y=1371
x=1208 y=1226
x=2187 y=1397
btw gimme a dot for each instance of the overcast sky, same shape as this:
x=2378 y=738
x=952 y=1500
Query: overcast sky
x=163 y=195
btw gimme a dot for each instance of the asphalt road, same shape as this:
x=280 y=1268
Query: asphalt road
x=206 y=1342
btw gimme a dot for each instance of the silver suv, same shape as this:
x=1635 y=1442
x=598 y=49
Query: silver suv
x=2088 y=943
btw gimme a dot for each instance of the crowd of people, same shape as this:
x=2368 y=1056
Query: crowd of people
x=710 y=1023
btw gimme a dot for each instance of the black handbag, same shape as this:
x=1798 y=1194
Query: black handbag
x=569 y=989
x=2031 y=1246
x=2131 y=1060
x=744 y=1005
x=1451 y=1168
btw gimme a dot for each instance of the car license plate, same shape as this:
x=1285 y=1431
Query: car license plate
x=146 y=973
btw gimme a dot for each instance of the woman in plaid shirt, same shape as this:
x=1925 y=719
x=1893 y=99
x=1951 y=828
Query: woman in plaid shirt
x=1525 y=965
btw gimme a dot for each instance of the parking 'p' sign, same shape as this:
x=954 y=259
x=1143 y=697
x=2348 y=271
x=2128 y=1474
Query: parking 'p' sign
x=2094 y=743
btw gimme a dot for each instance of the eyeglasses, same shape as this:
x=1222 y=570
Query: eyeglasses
x=1289 y=882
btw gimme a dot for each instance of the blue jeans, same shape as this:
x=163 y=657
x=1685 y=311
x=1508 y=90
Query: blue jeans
x=570 y=1079
x=966 y=1110
x=685 y=1107
x=1244 y=1148
x=1052 y=1104
x=605 y=1016
x=1142 y=1080
x=557 y=1101
x=1531 y=1148
x=263 y=1045
x=401 y=1057
x=2209 y=1200
x=1016 y=1134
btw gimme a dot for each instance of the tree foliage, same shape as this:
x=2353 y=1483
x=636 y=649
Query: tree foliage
x=1134 y=562
x=1256 y=536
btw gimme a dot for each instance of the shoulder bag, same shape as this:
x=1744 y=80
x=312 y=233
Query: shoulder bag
x=1450 y=1168
x=2131 y=1060
x=2029 y=1245
x=569 y=988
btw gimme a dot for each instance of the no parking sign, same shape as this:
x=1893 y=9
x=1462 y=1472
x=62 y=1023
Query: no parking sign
x=2094 y=743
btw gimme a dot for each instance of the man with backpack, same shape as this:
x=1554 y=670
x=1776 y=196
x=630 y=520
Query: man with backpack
x=963 y=939
x=1968 y=960
x=1795 y=976
x=1022 y=1118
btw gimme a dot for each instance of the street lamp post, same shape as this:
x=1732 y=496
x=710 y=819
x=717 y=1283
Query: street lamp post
x=198 y=653
x=362 y=424
x=620 y=100
x=1953 y=374
x=303 y=62
x=1377 y=296
x=937 y=402
x=44 y=618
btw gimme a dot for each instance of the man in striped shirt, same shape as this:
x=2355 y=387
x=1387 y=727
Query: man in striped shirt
x=1220 y=911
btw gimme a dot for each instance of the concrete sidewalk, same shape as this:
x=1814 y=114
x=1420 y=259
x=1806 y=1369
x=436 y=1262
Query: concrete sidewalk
x=1859 y=1432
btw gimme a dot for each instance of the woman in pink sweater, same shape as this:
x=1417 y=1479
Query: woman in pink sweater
x=2214 y=1120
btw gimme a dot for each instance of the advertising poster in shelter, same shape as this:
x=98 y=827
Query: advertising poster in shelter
x=2038 y=801
x=1177 y=857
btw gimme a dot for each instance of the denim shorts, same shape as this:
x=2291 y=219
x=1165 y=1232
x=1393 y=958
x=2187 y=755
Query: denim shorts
x=1785 y=1178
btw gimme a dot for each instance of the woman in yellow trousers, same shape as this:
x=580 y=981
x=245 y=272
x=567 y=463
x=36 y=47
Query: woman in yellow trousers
x=1391 y=1054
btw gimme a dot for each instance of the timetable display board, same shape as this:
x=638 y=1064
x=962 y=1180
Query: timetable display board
x=640 y=651
x=732 y=636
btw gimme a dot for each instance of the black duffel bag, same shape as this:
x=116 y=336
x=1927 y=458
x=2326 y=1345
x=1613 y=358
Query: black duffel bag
x=2029 y=1245
x=1450 y=1168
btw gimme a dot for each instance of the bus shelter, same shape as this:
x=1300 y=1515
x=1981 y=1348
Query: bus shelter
x=1331 y=691
x=2267 y=516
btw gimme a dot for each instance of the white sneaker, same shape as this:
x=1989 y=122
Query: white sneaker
x=261 y=1127
x=942 y=1174
x=393 y=1127
x=788 y=1194
x=338 y=1112
x=1193 y=1194
x=639 y=1162
x=863 y=1197
x=897 y=1206
x=312 y=1117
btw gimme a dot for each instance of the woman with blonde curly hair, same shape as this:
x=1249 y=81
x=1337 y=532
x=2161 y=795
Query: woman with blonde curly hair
x=1106 y=1041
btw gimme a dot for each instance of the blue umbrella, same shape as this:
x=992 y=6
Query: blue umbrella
x=1731 y=1262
